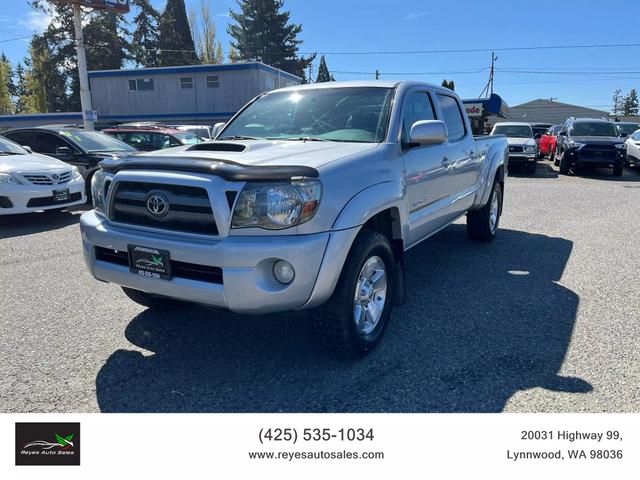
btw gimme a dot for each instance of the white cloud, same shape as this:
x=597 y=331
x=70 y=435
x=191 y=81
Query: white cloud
x=414 y=15
x=36 y=22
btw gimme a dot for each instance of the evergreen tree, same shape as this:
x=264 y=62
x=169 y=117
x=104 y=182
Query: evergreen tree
x=618 y=102
x=144 y=41
x=6 y=86
x=449 y=84
x=22 y=89
x=323 y=72
x=262 y=32
x=631 y=106
x=175 y=40
x=46 y=84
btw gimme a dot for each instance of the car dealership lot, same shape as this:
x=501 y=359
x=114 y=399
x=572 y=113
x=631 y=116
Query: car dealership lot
x=543 y=319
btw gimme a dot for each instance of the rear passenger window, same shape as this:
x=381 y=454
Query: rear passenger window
x=452 y=116
x=417 y=107
x=48 y=142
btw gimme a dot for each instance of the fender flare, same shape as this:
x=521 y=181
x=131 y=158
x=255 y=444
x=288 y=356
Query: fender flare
x=495 y=166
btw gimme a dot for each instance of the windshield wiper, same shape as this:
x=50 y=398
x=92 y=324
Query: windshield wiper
x=238 y=137
x=302 y=139
x=10 y=153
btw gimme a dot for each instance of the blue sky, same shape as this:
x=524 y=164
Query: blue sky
x=377 y=25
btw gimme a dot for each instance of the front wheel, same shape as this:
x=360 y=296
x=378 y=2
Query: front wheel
x=617 y=169
x=564 y=164
x=552 y=154
x=482 y=224
x=353 y=320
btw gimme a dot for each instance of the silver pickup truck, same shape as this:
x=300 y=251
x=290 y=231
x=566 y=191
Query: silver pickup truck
x=308 y=199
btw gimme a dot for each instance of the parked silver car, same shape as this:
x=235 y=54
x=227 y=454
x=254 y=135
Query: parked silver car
x=308 y=199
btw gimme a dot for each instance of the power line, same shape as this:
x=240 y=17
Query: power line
x=15 y=38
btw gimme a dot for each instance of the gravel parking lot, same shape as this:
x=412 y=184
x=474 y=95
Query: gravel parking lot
x=546 y=318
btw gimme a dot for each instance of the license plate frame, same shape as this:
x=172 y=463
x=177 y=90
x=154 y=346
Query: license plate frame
x=150 y=262
x=61 y=195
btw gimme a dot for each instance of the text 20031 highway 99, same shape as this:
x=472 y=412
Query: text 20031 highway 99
x=308 y=199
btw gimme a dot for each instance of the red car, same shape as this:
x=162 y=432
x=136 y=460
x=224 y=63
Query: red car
x=548 y=141
x=151 y=137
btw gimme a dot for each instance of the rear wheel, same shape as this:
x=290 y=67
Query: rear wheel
x=353 y=320
x=150 y=300
x=552 y=154
x=482 y=224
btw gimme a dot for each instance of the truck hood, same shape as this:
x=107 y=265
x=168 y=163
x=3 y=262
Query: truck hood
x=521 y=141
x=268 y=152
x=30 y=163
x=598 y=140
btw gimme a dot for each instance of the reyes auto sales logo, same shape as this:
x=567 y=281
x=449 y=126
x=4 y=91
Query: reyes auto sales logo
x=47 y=444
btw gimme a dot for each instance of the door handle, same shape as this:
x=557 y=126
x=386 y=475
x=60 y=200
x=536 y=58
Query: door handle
x=446 y=162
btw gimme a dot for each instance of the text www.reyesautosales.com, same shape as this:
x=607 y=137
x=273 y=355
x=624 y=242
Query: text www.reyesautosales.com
x=316 y=455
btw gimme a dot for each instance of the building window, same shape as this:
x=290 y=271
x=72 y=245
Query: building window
x=186 y=83
x=213 y=81
x=141 y=84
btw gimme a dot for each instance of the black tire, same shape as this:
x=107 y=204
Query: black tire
x=617 y=169
x=531 y=168
x=479 y=225
x=627 y=163
x=87 y=187
x=334 y=323
x=552 y=154
x=150 y=300
x=564 y=164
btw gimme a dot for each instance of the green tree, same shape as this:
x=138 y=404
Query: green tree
x=618 y=103
x=203 y=28
x=448 y=84
x=175 y=40
x=631 y=106
x=6 y=86
x=262 y=32
x=323 y=72
x=144 y=41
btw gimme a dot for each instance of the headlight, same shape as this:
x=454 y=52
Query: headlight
x=621 y=146
x=573 y=144
x=276 y=206
x=97 y=189
x=8 y=178
x=530 y=149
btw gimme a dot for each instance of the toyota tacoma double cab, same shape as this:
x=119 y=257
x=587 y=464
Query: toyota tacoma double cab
x=308 y=199
x=590 y=142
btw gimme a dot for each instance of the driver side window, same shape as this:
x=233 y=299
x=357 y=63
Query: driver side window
x=417 y=106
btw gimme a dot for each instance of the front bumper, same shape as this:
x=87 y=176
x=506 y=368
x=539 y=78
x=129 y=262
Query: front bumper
x=521 y=158
x=578 y=157
x=16 y=198
x=248 y=284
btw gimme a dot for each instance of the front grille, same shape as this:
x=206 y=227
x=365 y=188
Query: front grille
x=49 y=201
x=189 y=208
x=5 y=202
x=48 y=178
x=190 y=271
x=516 y=149
x=598 y=152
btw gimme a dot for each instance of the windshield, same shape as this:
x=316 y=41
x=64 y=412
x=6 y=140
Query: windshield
x=595 y=129
x=96 y=141
x=187 y=138
x=513 y=131
x=352 y=114
x=199 y=131
x=10 y=148
x=628 y=128
x=540 y=130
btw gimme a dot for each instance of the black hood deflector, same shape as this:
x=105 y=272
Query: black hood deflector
x=231 y=171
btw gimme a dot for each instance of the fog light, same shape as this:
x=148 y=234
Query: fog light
x=283 y=271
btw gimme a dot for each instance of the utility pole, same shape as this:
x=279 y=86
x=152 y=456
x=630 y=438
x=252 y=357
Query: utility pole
x=377 y=74
x=488 y=89
x=88 y=115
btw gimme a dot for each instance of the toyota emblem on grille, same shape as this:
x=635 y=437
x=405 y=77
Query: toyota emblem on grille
x=55 y=176
x=157 y=205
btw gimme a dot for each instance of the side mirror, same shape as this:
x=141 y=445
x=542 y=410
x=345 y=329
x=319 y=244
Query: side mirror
x=217 y=128
x=537 y=136
x=27 y=148
x=64 y=151
x=428 y=132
